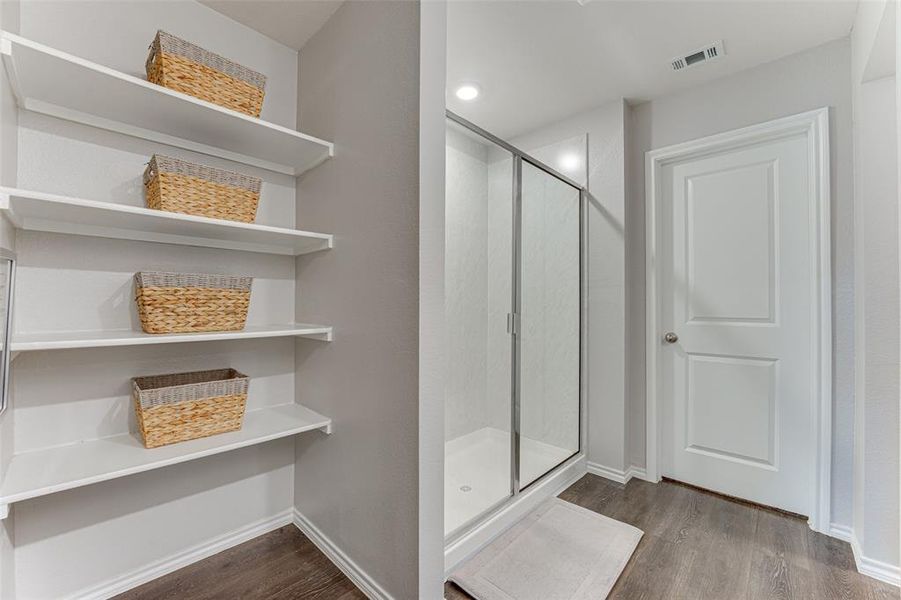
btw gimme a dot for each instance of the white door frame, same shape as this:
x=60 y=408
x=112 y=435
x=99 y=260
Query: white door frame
x=815 y=126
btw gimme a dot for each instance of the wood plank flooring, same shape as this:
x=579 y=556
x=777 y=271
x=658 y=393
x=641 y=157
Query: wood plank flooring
x=700 y=546
x=283 y=564
x=696 y=546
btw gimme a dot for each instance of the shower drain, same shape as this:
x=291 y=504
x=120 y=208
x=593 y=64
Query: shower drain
x=465 y=488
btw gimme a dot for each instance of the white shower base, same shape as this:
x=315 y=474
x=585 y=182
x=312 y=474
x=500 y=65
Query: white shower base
x=480 y=463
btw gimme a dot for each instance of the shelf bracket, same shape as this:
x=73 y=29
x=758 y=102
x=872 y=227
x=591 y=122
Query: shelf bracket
x=4 y=511
x=327 y=430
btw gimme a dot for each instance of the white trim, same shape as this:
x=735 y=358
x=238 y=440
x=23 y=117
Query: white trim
x=874 y=568
x=610 y=473
x=866 y=566
x=510 y=513
x=615 y=474
x=122 y=583
x=432 y=323
x=815 y=124
x=637 y=473
x=354 y=572
x=841 y=532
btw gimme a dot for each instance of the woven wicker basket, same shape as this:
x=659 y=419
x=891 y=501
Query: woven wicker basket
x=179 y=186
x=184 y=406
x=181 y=66
x=191 y=302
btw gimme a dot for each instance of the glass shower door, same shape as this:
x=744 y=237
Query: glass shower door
x=549 y=301
x=513 y=305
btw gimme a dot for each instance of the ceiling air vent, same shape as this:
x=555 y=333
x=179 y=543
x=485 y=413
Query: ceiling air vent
x=701 y=55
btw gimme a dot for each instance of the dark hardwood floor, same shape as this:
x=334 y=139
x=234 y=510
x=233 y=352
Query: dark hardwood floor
x=282 y=564
x=696 y=546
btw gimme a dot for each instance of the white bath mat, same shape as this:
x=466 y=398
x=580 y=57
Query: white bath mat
x=558 y=552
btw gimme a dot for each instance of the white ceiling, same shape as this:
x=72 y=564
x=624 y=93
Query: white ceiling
x=538 y=62
x=291 y=22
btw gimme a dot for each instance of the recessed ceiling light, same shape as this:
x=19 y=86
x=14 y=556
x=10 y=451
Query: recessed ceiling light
x=467 y=92
x=570 y=162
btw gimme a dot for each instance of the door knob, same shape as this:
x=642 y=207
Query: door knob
x=671 y=338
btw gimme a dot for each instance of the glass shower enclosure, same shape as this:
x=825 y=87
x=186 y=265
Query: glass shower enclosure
x=514 y=244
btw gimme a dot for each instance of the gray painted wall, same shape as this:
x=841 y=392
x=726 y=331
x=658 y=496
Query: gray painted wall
x=359 y=87
x=812 y=79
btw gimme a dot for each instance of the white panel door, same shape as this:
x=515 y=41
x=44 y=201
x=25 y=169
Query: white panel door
x=737 y=272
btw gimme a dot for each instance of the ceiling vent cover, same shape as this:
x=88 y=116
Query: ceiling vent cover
x=701 y=55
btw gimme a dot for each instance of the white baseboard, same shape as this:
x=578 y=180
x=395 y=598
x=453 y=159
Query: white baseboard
x=617 y=475
x=606 y=472
x=165 y=566
x=840 y=532
x=872 y=567
x=196 y=553
x=353 y=571
x=637 y=473
x=866 y=566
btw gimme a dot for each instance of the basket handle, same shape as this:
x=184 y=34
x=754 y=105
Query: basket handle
x=151 y=170
x=154 y=51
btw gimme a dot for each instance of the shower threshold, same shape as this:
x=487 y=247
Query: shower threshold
x=477 y=472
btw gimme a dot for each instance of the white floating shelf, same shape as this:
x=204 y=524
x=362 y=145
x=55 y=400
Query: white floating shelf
x=41 y=472
x=37 y=211
x=55 y=83
x=59 y=340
